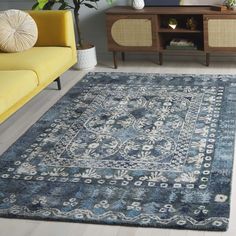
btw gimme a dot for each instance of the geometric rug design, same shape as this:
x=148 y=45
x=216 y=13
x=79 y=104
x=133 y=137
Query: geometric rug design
x=132 y=149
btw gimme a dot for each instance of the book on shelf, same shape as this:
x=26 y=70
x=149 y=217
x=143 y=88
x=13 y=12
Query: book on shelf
x=170 y=47
x=181 y=42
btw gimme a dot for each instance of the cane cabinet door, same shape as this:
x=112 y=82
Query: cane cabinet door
x=220 y=33
x=132 y=33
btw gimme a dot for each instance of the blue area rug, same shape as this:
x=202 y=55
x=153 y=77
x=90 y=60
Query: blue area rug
x=130 y=149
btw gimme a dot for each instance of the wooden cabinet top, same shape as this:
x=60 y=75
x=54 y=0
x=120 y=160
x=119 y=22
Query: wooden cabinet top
x=200 y=10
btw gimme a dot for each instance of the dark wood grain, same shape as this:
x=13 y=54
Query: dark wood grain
x=162 y=35
x=202 y=10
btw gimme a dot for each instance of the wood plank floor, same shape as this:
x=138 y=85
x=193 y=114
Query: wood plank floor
x=16 y=125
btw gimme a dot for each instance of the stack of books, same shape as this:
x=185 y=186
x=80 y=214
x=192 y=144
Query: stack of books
x=181 y=44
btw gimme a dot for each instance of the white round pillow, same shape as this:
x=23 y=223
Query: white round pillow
x=18 y=31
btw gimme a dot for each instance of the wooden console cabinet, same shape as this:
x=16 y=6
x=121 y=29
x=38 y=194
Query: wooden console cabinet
x=147 y=30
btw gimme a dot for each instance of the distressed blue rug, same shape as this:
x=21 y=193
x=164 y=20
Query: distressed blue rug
x=129 y=149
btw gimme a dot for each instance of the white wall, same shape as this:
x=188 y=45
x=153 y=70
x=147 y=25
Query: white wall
x=92 y=21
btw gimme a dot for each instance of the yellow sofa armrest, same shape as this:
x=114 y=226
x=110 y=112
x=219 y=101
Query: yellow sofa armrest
x=55 y=28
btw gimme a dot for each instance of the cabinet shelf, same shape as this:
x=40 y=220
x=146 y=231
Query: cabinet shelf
x=163 y=30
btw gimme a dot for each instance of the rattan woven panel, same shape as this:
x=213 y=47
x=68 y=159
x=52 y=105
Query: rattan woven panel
x=222 y=33
x=132 y=32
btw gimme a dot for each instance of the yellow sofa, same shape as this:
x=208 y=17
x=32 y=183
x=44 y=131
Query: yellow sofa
x=25 y=74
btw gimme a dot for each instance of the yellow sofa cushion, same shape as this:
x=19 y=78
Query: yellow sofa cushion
x=14 y=85
x=46 y=62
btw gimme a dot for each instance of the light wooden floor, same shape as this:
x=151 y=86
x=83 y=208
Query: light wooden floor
x=14 y=127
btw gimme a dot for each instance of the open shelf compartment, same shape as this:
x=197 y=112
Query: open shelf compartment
x=163 y=23
x=166 y=38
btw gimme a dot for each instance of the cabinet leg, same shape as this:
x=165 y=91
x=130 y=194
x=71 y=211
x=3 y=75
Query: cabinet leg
x=123 y=56
x=160 y=58
x=115 y=60
x=207 y=59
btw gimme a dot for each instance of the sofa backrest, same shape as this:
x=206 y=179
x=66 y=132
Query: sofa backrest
x=55 y=28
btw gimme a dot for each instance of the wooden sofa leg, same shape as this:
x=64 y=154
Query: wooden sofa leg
x=58 y=83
